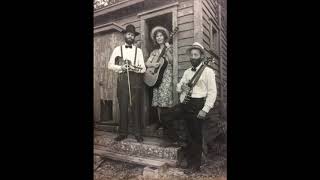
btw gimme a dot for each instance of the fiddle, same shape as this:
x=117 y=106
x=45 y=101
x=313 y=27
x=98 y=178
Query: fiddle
x=128 y=65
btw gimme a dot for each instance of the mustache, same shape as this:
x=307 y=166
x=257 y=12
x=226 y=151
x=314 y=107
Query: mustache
x=195 y=59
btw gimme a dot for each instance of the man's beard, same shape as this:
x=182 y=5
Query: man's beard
x=195 y=62
x=128 y=41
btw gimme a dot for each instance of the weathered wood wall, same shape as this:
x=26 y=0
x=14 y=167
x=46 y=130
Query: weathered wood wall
x=103 y=46
x=223 y=52
x=186 y=34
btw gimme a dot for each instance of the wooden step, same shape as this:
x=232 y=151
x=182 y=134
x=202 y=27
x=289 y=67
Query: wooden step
x=149 y=152
x=152 y=162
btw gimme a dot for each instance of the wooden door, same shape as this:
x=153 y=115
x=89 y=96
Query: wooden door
x=103 y=47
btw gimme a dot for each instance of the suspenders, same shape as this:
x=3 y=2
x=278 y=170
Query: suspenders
x=135 y=55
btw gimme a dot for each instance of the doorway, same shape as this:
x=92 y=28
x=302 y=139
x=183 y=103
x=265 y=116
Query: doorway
x=164 y=20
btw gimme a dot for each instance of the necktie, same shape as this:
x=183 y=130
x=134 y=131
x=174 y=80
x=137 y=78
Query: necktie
x=193 y=69
x=128 y=46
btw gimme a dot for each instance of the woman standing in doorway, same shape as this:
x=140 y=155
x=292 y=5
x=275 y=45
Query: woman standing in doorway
x=162 y=95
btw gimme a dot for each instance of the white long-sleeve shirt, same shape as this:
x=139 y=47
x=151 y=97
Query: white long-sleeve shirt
x=128 y=53
x=205 y=87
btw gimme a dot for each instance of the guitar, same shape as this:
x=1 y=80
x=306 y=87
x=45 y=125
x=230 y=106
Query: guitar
x=186 y=95
x=153 y=75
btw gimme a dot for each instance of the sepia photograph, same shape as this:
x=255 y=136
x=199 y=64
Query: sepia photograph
x=160 y=89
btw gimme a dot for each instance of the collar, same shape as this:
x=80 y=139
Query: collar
x=125 y=44
x=197 y=66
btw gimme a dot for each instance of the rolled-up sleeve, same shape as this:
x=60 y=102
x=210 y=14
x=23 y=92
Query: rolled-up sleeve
x=183 y=80
x=211 y=90
x=140 y=60
x=111 y=65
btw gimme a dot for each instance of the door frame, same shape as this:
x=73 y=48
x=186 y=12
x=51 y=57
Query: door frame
x=144 y=16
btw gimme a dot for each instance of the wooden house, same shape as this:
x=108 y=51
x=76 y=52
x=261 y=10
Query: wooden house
x=203 y=21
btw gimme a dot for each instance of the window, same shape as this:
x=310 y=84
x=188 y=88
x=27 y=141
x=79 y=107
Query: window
x=214 y=39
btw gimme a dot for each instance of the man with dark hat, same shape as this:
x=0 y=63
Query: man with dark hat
x=123 y=58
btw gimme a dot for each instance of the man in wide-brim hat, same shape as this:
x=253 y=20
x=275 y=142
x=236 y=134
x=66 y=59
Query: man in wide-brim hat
x=195 y=110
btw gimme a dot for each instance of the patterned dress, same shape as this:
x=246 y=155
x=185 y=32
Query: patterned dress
x=163 y=95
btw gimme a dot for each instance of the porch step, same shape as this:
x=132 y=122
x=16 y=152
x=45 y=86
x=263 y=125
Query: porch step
x=148 y=152
x=113 y=128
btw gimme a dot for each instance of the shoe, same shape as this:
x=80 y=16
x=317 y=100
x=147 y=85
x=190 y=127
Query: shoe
x=120 y=138
x=192 y=170
x=183 y=164
x=139 y=139
x=158 y=126
x=166 y=144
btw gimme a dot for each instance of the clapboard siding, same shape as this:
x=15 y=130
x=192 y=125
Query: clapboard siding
x=133 y=20
x=182 y=50
x=185 y=34
x=223 y=53
x=183 y=58
x=224 y=63
x=206 y=34
x=209 y=19
x=205 y=14
x=223 y=44
x=208 y=5
x=206 y=43
x=185 y=4
x=206 y=27
x=186 y=26
x=224 y=41
x=184 y=65
x=224 y=49
x=205 y=23
x=207 y=9
x=223 y=36
x=185 y=19
x=185 y=11
x=185 y=42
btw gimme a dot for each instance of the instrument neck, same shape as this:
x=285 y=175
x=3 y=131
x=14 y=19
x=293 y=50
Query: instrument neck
x=162 y=46
x=196 y=76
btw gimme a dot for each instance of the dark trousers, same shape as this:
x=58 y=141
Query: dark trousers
x=189 y=113
x=194 y=138
x=124 y=104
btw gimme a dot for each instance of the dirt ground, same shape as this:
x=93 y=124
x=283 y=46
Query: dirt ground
x=213 y=169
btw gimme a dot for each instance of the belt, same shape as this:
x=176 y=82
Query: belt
x=203 y=98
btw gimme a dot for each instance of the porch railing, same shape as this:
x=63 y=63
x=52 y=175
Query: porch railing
x=98 y=4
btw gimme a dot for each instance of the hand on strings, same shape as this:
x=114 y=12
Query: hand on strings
x=124 y=67
x=156 y=65
x=185 y=87
x=167 y=45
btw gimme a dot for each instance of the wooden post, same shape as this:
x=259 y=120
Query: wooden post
x=146 y=109
x=175 y=56
x=221 y=64
x=198 y=29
